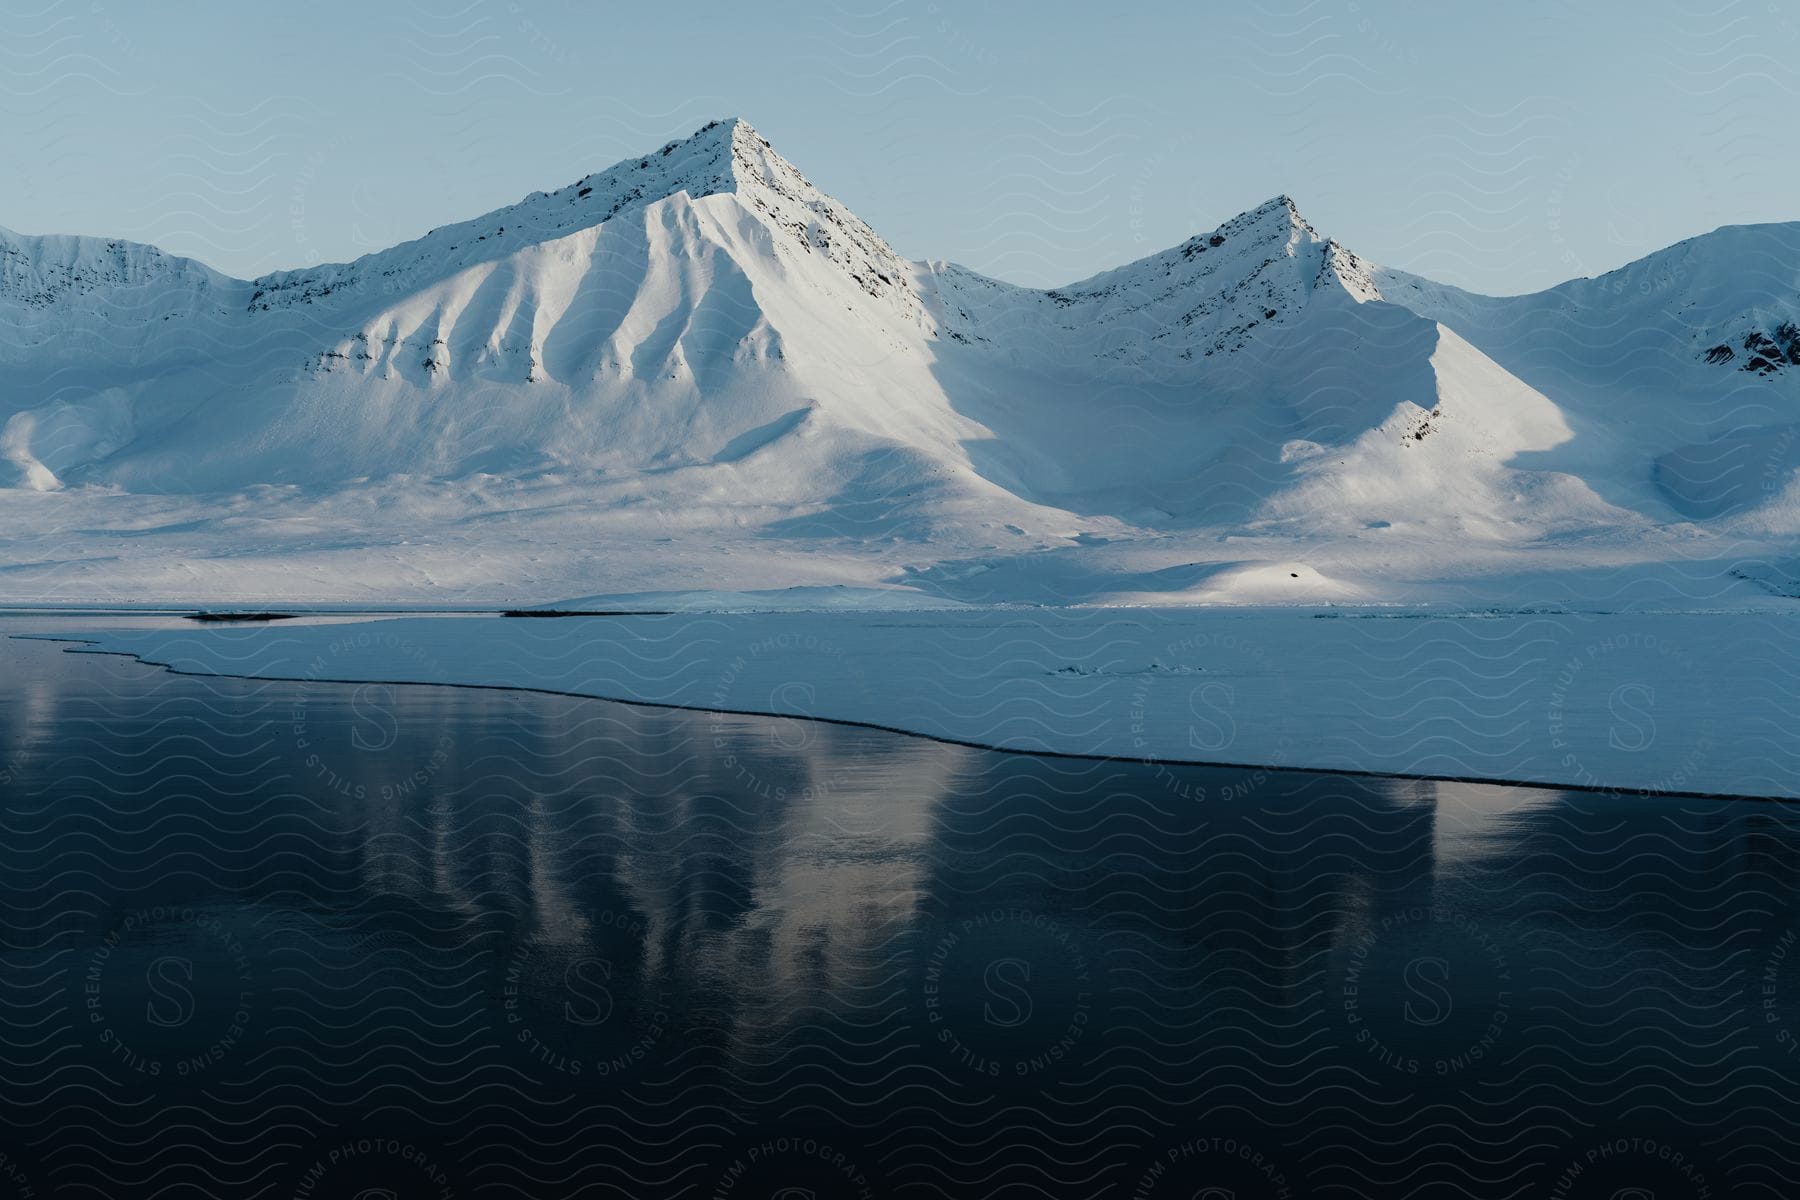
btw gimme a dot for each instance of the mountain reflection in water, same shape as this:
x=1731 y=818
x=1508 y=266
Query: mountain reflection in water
x=303 y=939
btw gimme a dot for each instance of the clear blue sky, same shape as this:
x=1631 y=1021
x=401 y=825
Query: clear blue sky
x=1499 y=146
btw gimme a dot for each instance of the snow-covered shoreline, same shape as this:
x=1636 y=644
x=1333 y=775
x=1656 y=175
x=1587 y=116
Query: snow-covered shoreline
x=1667 y=703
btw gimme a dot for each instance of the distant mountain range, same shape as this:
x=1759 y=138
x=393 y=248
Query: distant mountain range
x=695 y=371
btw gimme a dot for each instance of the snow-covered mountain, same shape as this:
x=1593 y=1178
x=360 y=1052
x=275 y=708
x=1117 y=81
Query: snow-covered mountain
x=694 y=370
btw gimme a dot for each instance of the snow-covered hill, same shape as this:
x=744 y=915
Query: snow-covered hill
x=1675 y=369
x=694 y=371
x=70 y=299
x=1203 y=298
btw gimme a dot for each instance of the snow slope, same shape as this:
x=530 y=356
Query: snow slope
x=695 y=372
x=63 y=299
x=1661 y=362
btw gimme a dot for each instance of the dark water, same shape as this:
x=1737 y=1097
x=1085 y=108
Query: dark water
x=275 y=939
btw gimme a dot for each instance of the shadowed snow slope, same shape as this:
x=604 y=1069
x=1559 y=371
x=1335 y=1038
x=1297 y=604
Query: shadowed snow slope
x=694 y=371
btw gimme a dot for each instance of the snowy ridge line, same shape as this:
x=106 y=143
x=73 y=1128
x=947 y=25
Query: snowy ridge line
x=703 y=363
x=1171 y=310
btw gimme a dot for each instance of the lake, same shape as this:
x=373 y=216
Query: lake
x=321 y=940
